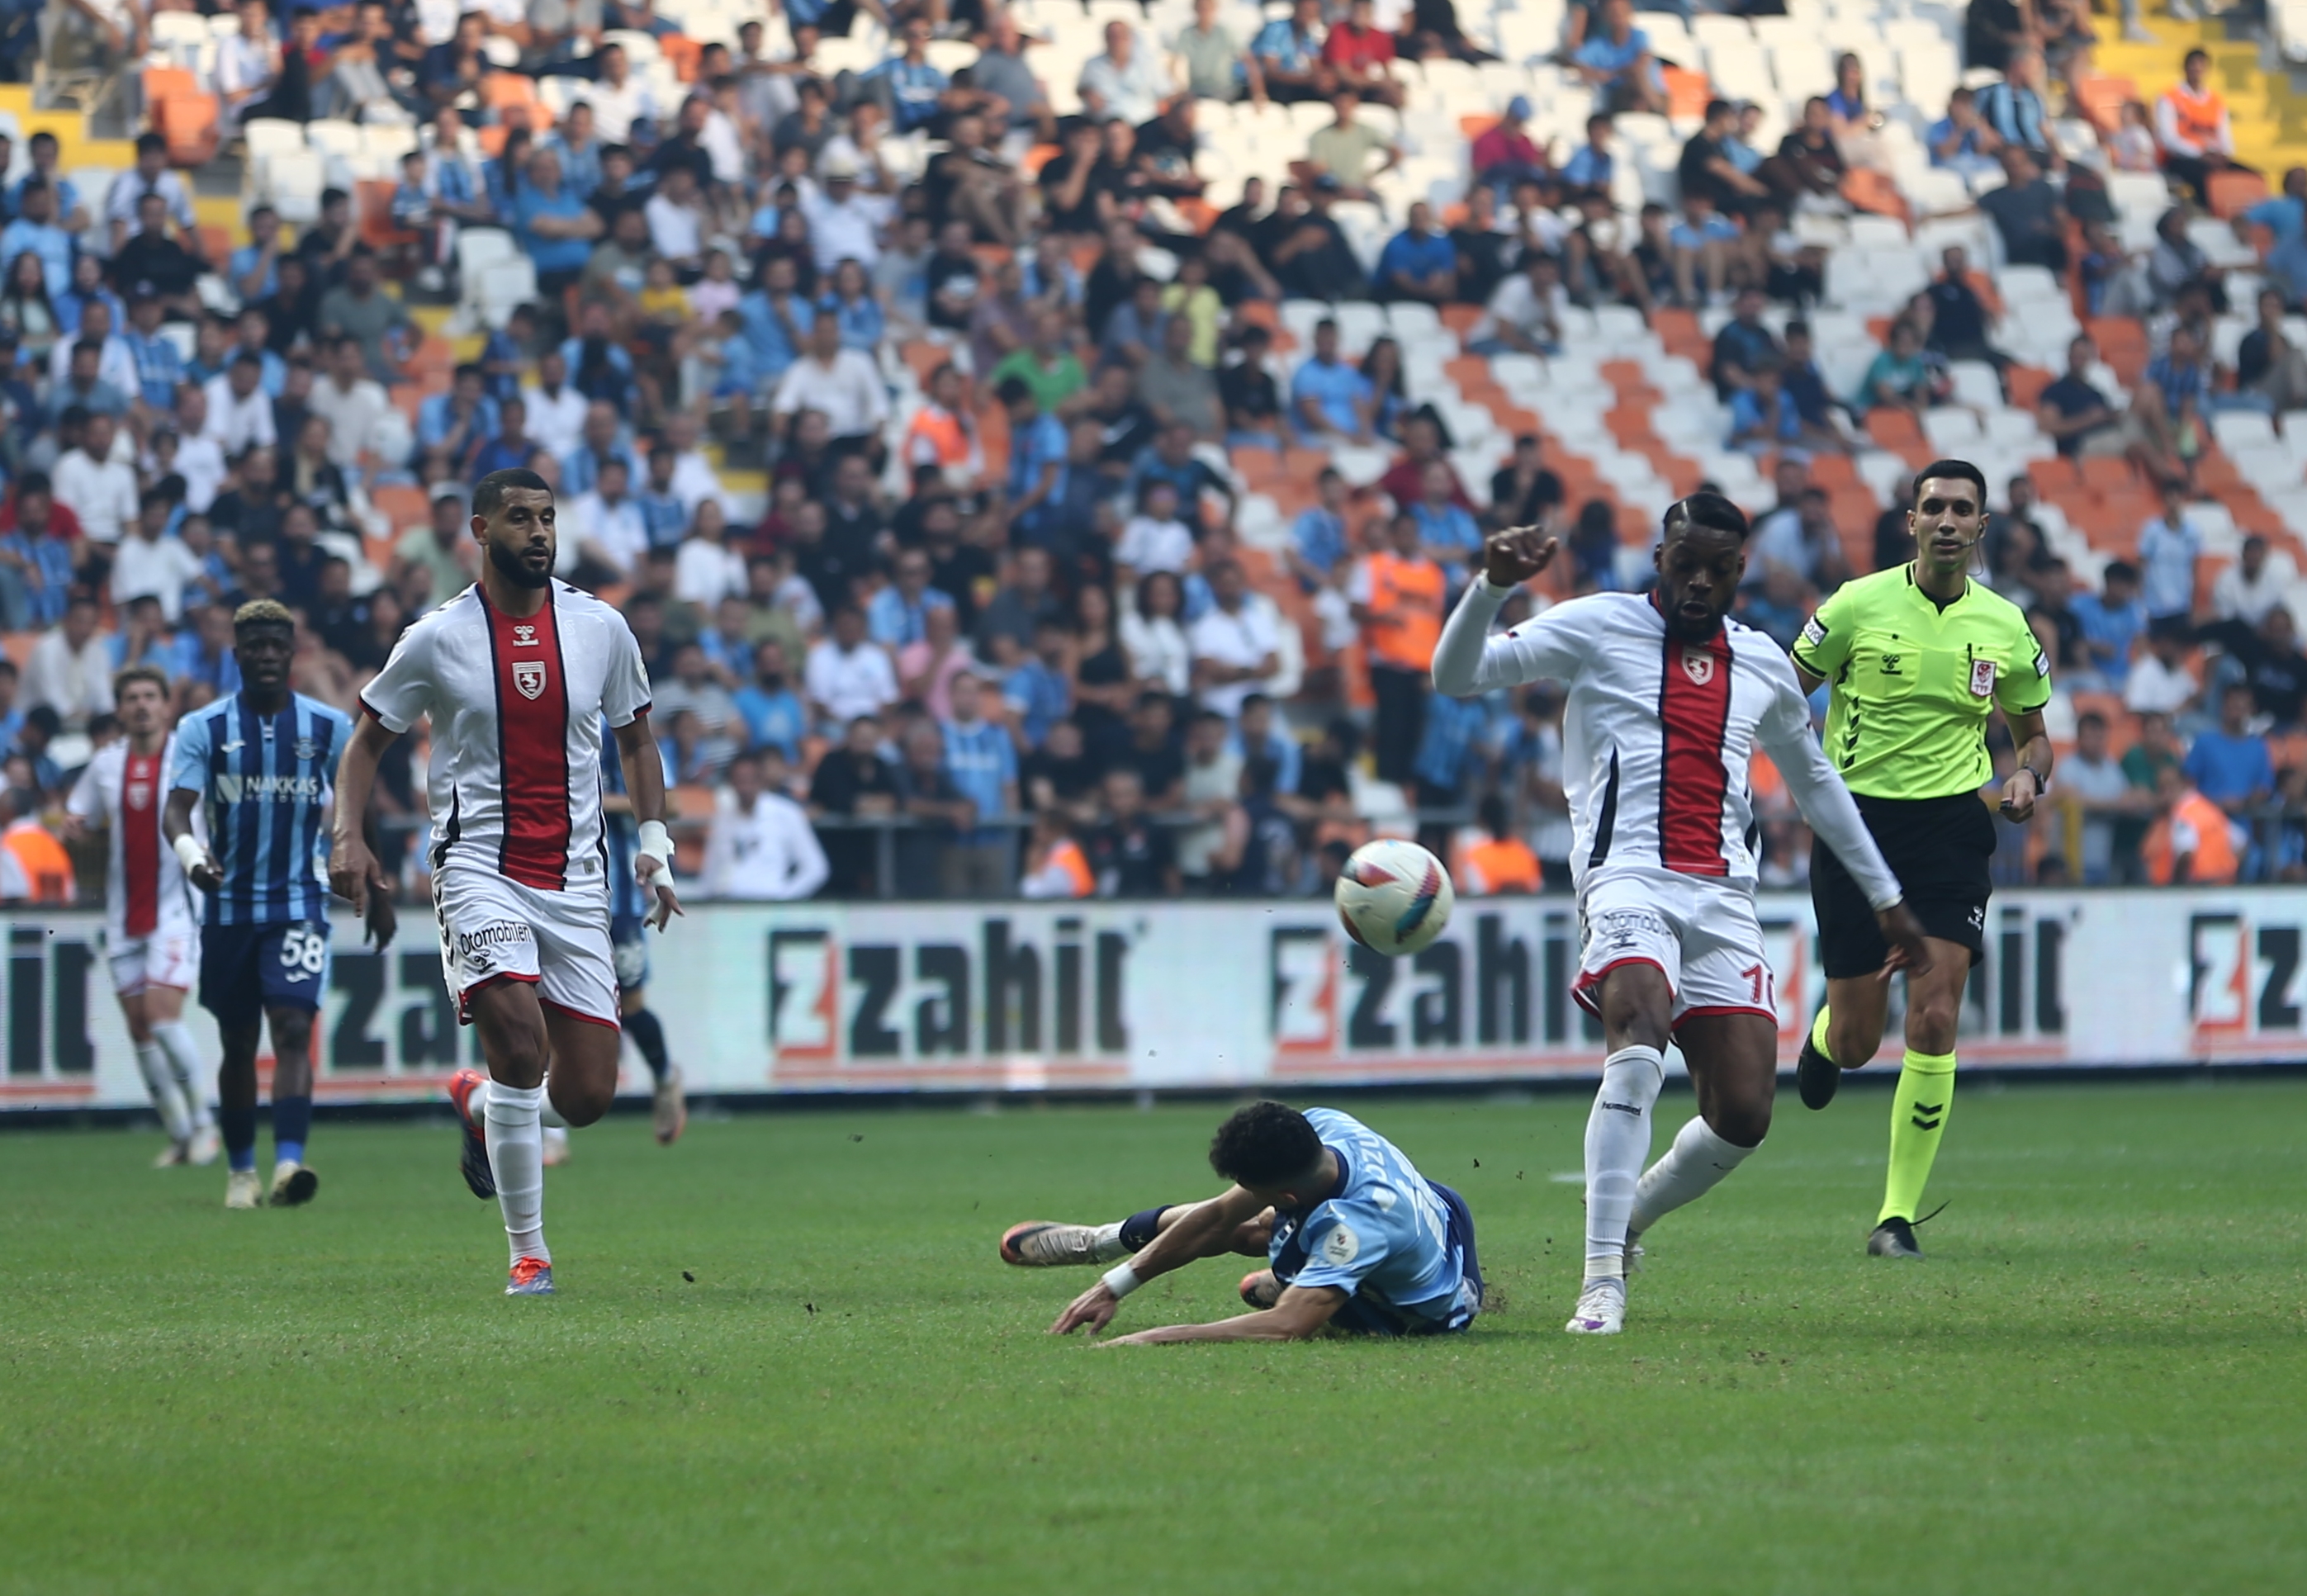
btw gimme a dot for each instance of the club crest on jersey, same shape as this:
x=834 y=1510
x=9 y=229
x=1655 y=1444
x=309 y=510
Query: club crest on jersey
x=528 y=676
x=305 y=747
x=1982 y=678
x=140 y=794
x=525 y=636
x=1698 y=666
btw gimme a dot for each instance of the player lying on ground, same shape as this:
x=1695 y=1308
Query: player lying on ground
x=1918 y=659
x=518 y=673
x=262 y=762
x=1665 y=701
x=152 y=922
x=1356 y=1238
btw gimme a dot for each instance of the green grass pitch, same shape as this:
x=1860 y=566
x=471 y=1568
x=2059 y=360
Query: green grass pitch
x=2097 y=1382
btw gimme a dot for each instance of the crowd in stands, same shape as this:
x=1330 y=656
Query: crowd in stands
x=930 y=425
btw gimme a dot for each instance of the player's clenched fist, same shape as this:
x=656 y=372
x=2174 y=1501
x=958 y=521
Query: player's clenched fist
x=1518 y=553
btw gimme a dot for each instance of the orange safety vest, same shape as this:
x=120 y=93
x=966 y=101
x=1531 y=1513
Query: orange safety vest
x=1065 y=855
x=2216 y=861
x=1405 y=601
x=1493 y=865
x=43 y=860
x=947 y=439
x=2199 y=118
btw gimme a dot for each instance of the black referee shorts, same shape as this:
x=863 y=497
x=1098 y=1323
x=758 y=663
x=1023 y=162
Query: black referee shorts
x=1939 y=849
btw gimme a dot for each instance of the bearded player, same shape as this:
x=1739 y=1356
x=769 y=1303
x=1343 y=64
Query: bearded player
x=1667 y=700
x=520 y=673
x=151 y=923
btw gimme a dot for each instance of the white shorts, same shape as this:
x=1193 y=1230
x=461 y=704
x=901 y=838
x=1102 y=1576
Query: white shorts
x=496 y=930
x=167 y=957
x=1700 y=932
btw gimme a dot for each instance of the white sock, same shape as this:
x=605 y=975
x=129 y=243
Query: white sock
x=1617 y=1141
x=517 y=1158
x=174 y=1116
x=1692 y=1167
x=176 y=1040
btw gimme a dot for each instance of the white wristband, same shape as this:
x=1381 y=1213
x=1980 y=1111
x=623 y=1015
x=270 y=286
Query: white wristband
x=189 y=854
x=656 y=842
x=1121 y=1279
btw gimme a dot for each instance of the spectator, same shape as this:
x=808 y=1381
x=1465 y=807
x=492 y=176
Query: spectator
x=1131 y=854
x=772 y=713
x=1591 y=169
x=1288 y=55
x=847 y=675
x=1309 y=255
x=1499 y=862
x=1055 y=865
x=1615 y=62
x=1213 y=63
x=1961 y=141
x=761 y=849
x=842 y=385
x=1342 y=151
x=2277 y=671
x=1446 y=527
x=1236 y=646
x=853 y=782
x=1763 y=416
x=2168 y=547
x=2160 y=682
x=2193 y=128
x=1742 y=344
x=2111 y=623
x=2027 y=214
x=1317 y=537
x=1039 y=693
x=149 y=565
x=1526 y=314
x=1420 y=262
x=1900 y=378
x=2269 y=367
x=1398 y=597
x=1123 y=84
x=2229 y=764
x=360 y=309
x=1705 y=169
x=69 y=671
x=1505 y=155
x=1154 y=637
x=2096 y=797
x=1175 y=390
x=1962 y=316
x=2249 y=589
x=2014 y=109
x=898 y=614
x=1359 y=55
x=99 y=490
x=981 y=765
x=941 y=814
x=1329 y=400
x=354 y=404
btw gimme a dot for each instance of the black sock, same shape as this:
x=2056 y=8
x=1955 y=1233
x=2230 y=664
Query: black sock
x=648 y=1036
x=239 y=1128
x=1138 y=1230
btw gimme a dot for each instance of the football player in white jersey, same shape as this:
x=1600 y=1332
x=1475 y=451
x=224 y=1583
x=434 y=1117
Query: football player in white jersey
x=1667 y=700
x=151 y=924
x=519 y=673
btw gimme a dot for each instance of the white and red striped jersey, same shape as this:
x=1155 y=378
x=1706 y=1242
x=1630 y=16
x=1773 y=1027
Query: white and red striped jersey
x=1657 y=732
x=145 y=893
x=517 y=705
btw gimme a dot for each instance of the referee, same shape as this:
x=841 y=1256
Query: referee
x=1919 y=657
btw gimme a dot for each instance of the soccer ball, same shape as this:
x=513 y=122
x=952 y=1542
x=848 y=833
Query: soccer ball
x=1393 y=897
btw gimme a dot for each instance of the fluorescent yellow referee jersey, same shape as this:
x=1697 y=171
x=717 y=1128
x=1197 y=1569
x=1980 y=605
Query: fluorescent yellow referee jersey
x=1912 y=683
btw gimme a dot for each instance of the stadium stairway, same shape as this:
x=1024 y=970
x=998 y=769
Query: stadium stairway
x=2269 y=119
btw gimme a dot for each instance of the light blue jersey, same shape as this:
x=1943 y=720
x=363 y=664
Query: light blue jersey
x=265 y=781
x=620 y=835
x=1389 y=1238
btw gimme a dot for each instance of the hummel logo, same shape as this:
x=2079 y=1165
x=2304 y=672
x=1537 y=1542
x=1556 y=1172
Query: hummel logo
x=524 y=637
x=1929 y=1116
x=1891 y=664
x=1624 y=1108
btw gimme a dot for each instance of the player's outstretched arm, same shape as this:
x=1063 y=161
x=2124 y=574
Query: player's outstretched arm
x=354 y=873
x=1204 y=1231
x=1300 y=1311
x=1784 y=733
x=1468 y=659
x=644 y=780
x=177 y=828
